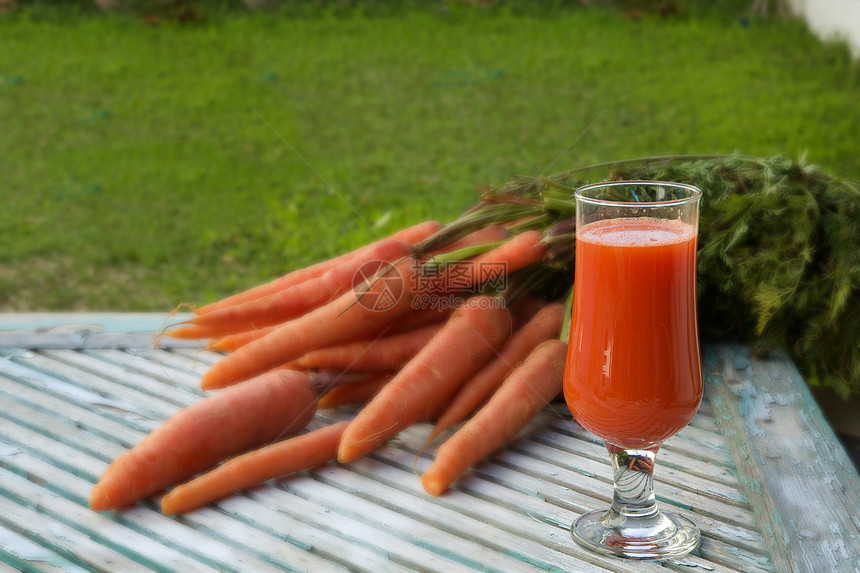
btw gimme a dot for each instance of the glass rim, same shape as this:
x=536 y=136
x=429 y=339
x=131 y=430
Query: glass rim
x=695 y=193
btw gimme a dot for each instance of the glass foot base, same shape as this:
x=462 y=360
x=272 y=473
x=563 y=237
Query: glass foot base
x=657 y=537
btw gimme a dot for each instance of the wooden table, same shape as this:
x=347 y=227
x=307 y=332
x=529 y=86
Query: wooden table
x=759 y=469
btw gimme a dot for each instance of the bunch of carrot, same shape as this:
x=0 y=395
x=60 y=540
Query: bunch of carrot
x=428 y=324
x=375 y=328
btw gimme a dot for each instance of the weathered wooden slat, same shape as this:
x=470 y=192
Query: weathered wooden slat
x=590 y=476
x=806 y=492
x=90 y=330
x=68 y=468
x=541 y=543
x=725 y=543
x=409 y=555
x=686 y=444
x=137 y=360
x=473 y=537
x=199 y=355
x=597 y=495
x=473 y=488
x=84 y=340
x=737 y=469
x=56 y=509
x=135 y=401
x=704 y=421
x=229 y=531
x=180 y=362
x=85 y=418
x=402 y=525
x=562 y=437
x=174 y=394
x=240 y=512
x=676 y=477
x=9 y=368
x=393 y=486
x=582 y=492
x=19 y=551
x=55 y=428
x=147 y=323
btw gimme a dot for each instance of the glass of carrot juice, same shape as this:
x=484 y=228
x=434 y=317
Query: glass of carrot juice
x=633 y=375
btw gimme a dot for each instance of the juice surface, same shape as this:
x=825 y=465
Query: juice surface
x=634 y=373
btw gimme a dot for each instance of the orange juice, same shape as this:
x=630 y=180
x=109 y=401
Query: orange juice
x=634 y=374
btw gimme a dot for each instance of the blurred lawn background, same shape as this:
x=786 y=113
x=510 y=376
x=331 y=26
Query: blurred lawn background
x=185 y=150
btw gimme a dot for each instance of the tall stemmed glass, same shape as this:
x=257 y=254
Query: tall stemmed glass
x=634 y=375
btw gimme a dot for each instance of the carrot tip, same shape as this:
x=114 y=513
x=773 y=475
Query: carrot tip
x=433 y=487
x=220 y=345
x=101 y=500
x=350 y=452
x=171 y=334
x=181 y=331
x=168 y=507
x=208 y=384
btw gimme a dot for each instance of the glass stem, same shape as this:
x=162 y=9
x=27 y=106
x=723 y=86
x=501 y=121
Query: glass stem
x=633 y=475
x=634 y=527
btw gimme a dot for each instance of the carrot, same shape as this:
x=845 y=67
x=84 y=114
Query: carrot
x=350 y=316
x=295 y=300
x=354 y=393
x=545 y=324
x=295 y=454
x=522 y=250
x=424 y=315
x=530 y=387
x=526 y=307
x=412 y=234
x=412 y=320
x=466 y=272
x=276 y=404
x=190 y=331
x=489 y=234
x=231 y=342
x=461 y=347
x=388 y=353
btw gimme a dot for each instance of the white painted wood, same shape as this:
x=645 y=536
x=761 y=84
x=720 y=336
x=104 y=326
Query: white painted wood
x=68 y=408
x=141 y=361
x=86 y=364
x=569 y=436
x=24 y=551
x=55 y=509
x=807 y=491
x=124 y=322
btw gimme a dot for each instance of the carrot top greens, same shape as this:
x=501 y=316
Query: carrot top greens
x=779 y=250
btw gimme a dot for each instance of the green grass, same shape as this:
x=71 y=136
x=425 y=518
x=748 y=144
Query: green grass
x=146 y=165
